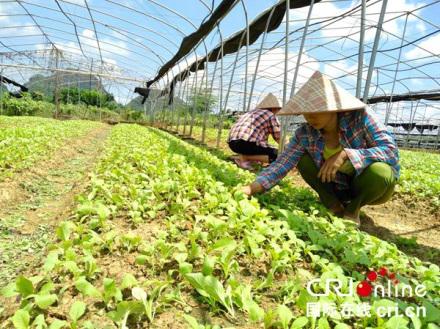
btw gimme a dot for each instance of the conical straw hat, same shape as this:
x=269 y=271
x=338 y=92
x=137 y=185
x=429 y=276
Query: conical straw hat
x=319 y=94
x=270 y=101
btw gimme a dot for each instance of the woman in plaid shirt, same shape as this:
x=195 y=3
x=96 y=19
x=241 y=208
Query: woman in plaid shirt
x=343 y=152
x=248 y=136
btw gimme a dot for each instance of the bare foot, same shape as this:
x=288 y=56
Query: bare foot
x=353 y=217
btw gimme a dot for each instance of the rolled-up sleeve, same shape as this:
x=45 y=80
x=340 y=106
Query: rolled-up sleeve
x=285 y=162
x=383 y=147
x=275 y=128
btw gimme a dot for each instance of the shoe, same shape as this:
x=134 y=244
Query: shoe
x=244 y=164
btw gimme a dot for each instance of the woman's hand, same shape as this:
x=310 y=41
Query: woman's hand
x=253 y=188
x=328 y=171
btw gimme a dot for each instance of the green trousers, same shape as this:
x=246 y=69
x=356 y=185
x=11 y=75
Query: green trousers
x=374 y=186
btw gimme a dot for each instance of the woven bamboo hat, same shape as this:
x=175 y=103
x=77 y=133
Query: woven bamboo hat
x=270 y=101
x=318 y=95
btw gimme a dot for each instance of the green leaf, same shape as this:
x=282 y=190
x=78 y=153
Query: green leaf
x=39 y=322
x=210 y=287
x=208 y=265
x=432 y=312
x=397 y=322
x=77 y=310
x=51 y=261
x=21 y=319
x=46 y=288
x=124 y=308
x=299 y=323
x=86 y=288
x=72 y=267
x=24 y=286
x=111 y=291
x=141 y=259
x=323 y=323
x=9 y=291
x=304 y=298
x=185 y=268
x=224 y=243
x=191 y=321
x=64 y=230
x=44 y=301
x=256 y=313
x=128 y=281
x=58 y=324
x=285 y=315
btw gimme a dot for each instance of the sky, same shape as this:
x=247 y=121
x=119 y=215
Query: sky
x=136 y=37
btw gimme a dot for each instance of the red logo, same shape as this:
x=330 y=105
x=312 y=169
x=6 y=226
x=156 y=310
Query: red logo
x=365 y=287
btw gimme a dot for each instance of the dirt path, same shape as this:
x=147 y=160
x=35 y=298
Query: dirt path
x=34 y=201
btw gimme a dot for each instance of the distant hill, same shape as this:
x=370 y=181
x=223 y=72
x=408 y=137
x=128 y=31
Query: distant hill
x=45 y=84
x=136 y=103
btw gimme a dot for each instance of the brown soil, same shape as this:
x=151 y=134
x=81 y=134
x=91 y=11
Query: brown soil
x=42 y=196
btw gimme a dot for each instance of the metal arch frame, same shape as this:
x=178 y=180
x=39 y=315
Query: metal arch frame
x=246 y=74
x=103 y=24
x=205 y=114
x=103 y=42
x=375 y=45
x=109 y=76
x=390 y=104
x=75 y=4
x=247 y=52
x=392 y=18
x=144 y=14
x=94 y=28
x=361 y=50
x=295 y=74
x=36 y=23
x=206 y=51
x=74 y=26
x=220 y=128
x=110 y=52
x=67 y=40
x=205 y=72
x=259 y=58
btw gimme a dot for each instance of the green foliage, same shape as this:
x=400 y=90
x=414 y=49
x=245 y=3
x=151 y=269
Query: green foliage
x=25 y=140
x=21 y=106
x=420 y=176
x=91 y=97
x=185 y=235
x=201 y=101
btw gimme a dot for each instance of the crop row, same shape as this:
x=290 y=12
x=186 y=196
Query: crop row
x=419 y=174
x=164 y=230
x=23 y=140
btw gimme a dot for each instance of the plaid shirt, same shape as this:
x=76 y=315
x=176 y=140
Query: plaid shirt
x=256 y=126
x=363 y=137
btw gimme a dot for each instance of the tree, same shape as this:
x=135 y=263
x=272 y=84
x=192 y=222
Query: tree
x=87 y=96
x=203 y=99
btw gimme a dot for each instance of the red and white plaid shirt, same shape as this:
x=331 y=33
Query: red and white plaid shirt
x=256 y=126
